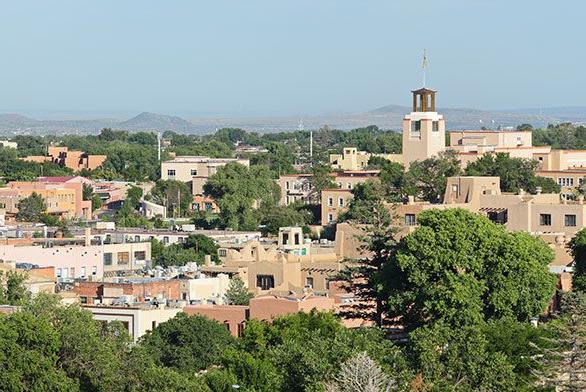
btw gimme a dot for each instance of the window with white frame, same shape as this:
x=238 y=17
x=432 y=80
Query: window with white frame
x=565 y=181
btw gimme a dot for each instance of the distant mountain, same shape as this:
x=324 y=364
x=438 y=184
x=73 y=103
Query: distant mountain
x=386 y=117
x=568 y=113
x=16 y=120
x=157 y=122
x=18 y=124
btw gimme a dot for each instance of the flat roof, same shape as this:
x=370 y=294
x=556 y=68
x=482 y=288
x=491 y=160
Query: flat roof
x=201 y=159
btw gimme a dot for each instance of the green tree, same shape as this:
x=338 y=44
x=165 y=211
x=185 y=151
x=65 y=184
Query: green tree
x=176 y=195
x=514 y=173
x=461 y=269
x=30 y=209
x=321 y=178
x=368 y=197
x=578 y=251
x=237 y=293
x=563 y=356
x=364 y=277
x=188 y=343
x=134 y=196
x=29 y=355
x=274 y=218
x=237 y=189
x=193 y=249
x=459 y=359
x=96 y=202
x=12 y=288
x=306 y=349
x=427 y=179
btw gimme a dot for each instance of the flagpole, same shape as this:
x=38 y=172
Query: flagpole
x=424 y=66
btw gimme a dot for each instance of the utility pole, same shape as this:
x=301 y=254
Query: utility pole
x=159 y=136
x=301 y=128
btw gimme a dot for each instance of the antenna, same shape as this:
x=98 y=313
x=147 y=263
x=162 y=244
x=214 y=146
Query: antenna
x=424 y=65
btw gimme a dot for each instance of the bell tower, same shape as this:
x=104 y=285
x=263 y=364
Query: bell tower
x=424 y=130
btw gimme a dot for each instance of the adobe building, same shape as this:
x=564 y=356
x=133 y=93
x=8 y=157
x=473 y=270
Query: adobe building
x=265 y=308
x=137 y=319
x=63 y=196
x=195 y=170
x=352 y=159
x=140 y=289
x=291 y=265
x=424 y=136
x=74 y=160
x=72 y=260
x=297 y=187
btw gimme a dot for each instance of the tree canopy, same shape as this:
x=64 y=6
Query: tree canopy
x=237 y=189
x=31 y=208
x=460 y=269
x=515 y=173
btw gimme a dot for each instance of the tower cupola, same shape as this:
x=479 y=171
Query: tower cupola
x=423 y=100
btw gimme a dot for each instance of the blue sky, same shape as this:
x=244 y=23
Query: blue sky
x=278 y=57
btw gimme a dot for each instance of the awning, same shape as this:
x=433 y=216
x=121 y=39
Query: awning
x=493 y=209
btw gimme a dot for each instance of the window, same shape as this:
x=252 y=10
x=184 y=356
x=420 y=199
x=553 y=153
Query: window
x=171 y=172
x=208 y=206
x=153 y=325
x=265 y=282
x=165 y=240
x=193 y=172
x=285 y=238
x=545 y=219
x=296 y=238
x=107 y=258
x=94 y=270
x=565 y=181
x=570 y=220
x=341 y=202
x=500 y=217
x=140 y=255
x=415 y=129
x=136 y=238
x=330 y=218
x=58 y=272
x=348 y=185
x=195 y=206
x=309 y=281
x=83 y=300
x=330 y=201
x=410 y=220
x=287 y=185
x=435 y=126
x=222 y=252
x=83 y=271
x=123 y=257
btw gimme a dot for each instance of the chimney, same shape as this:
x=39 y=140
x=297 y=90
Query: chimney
x=521 y=192
x=538 y=190
x=207 y=260
x=410 y=200
x=581 y=199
